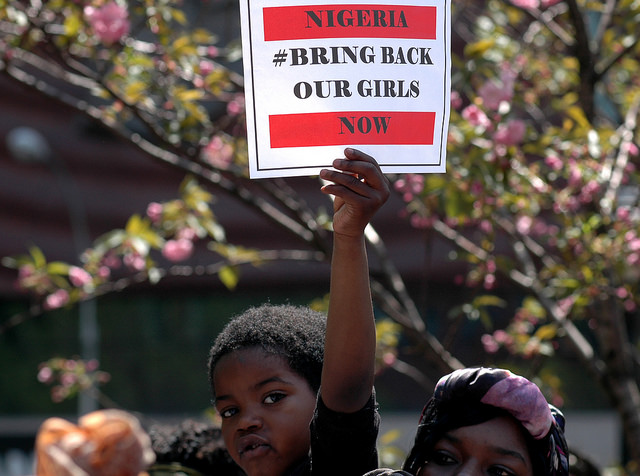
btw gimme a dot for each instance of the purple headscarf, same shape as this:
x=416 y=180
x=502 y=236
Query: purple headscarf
x=474 y=395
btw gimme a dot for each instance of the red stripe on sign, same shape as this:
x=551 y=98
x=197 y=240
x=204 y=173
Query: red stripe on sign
x=349 y=21
x=344 y=128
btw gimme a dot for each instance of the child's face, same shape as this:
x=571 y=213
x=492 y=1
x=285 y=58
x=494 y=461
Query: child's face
x=266 y=409
x=493 y=448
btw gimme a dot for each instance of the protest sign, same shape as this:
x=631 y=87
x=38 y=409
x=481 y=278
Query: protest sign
x=321 y=76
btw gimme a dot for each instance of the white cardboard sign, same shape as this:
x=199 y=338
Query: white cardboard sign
x=322 y=75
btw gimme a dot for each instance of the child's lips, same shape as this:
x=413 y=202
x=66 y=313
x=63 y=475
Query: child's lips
x=252 y=446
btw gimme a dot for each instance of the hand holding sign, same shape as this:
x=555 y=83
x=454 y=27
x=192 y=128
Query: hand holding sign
x=322 y=76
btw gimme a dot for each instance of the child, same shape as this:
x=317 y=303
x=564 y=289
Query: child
x=483 y=421
x=285 y=381
x=190 y=448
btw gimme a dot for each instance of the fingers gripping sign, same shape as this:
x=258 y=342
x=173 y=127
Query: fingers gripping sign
x=360 y=189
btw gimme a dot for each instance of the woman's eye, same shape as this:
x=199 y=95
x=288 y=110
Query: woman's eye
x=274 y=397
x=442 y=458
x=500 y=471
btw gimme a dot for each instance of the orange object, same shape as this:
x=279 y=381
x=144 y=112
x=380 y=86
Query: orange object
x=104 y=443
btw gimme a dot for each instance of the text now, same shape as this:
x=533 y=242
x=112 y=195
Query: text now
x=355 y=128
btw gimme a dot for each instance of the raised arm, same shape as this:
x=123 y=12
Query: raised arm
x=360 y=189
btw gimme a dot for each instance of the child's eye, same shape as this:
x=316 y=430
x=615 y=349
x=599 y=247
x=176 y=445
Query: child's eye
x=274 y=397
x=228 y=412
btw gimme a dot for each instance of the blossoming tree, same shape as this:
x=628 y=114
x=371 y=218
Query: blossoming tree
x=541 y=190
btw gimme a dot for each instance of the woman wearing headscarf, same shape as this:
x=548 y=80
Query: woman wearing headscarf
x=483 y=421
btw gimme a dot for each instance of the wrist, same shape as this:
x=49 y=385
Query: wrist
x=349 y=246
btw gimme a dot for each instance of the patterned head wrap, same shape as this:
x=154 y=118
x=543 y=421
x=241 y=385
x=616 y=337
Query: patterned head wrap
x=475 y=395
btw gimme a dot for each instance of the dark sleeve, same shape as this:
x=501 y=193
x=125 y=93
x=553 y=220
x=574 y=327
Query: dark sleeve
x=344 y=444
x=387 y=472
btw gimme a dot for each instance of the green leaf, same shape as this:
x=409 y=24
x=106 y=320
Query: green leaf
x=135 y=225
x=179 y=16
x=135 y=91
x=229 y=276
x=534 y=307
x=577 y=114
x=390 y=436
x=478 y=48
x=489 y=300
x=546 y=332
x=38 y=257
x=189 y=95
x=58 y=267
x=72 y=25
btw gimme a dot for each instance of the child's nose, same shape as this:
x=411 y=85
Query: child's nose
x=250 y=419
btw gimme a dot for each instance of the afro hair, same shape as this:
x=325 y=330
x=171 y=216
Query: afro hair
x=294 y=333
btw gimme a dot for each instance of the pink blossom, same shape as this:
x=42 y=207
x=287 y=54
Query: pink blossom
x=526 y=3
x=634 y=245
x=502 y=337
x=79 y=277
x=486 y=226
x=421 y=222
x=633 y=149
x=410 y=185
x=523 y=225
x=623 y=213
x=633 y=259
x=494 y=93
x=154 y=211
x=566 y=304
x=554 y=162
x=70 y=365
x=622 y=292
x=489 y=281
x=56 y=299
x=92 y=365
x=491 y=266
x=186 y=233
x=68 y=379
x=575 y=175
x=456 y=100
x=104 y=272
x=511 y=133
x=389 y=358
x=134 y=261
x=109 y=22
x=540 y=228
x=177 y=250
x=489 y=343
x=206 y=67
x=218 y=153
x=111 y=260
x=45 y=375
x=235 y=107
x=508 y=77
x=548 y=3
x=476 y=116
x=589 y=190
x=25 y=271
